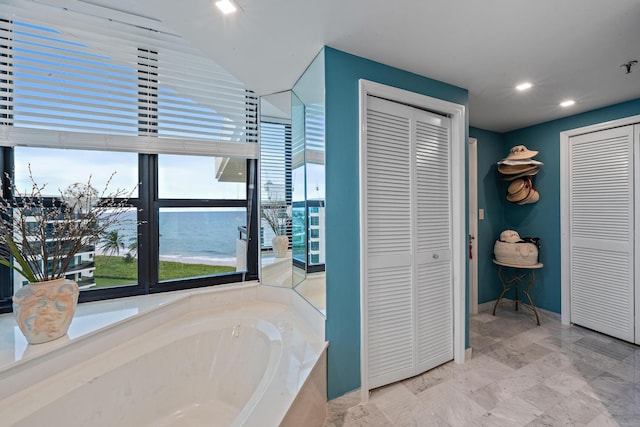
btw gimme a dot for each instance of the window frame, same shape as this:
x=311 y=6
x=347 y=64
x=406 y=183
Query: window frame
x=148 y=204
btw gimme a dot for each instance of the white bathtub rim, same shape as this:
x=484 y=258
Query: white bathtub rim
x=180 y=297
x=20 y=405
x=18 y=409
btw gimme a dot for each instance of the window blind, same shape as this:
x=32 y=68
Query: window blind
x=314 y=133
x=70 y=78
x=275 y=162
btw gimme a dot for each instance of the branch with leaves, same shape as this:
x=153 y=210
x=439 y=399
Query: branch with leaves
x=43 y=234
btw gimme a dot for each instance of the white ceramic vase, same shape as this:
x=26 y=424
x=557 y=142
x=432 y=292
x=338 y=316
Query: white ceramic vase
x=44 y=310
x=280 y=244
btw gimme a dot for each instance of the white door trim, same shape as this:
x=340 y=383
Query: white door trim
x=636 y=242
x=565 y=255
x=473 y=225
x=457 y=113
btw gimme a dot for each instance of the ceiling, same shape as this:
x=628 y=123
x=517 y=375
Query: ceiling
x=566 y=48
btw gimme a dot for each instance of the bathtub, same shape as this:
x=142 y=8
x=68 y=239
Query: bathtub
x=243 y=365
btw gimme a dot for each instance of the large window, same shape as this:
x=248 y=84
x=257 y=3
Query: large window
x=83 y=94
x=187 y=226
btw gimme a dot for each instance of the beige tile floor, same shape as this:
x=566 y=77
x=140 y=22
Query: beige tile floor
x=520 y=375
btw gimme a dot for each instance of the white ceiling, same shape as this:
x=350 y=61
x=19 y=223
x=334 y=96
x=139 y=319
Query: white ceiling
x=567 y=48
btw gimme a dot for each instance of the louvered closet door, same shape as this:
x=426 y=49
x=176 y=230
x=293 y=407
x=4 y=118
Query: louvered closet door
x=434 y=286
x=390 y=354
x=602 y=231
x=408 y=242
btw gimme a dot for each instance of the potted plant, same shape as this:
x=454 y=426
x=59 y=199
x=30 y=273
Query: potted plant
x=278 y=216
x=39 y=237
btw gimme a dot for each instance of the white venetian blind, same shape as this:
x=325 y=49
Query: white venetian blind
x=314 y=133
x=275 y=162
x=602 y=231
x=106 y=84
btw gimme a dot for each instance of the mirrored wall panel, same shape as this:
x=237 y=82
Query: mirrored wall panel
x=292 y=187
x=298 y=178
x=276 y=190
x=309 y=92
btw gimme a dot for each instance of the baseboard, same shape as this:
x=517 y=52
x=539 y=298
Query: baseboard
x=468 y=354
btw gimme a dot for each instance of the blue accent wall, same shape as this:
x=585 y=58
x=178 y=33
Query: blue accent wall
x=543 y=218
x=490 y=198
x=342 y=72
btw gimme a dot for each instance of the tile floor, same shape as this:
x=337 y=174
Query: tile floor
x=520 y=375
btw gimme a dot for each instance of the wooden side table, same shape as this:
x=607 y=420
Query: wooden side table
x=511 y=276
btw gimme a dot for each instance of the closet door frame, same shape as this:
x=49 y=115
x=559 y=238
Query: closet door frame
x=457 y=114
x=565 y=243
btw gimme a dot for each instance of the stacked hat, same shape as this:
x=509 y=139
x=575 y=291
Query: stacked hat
x=521 y=191
x=519 y=163
x=518 y=167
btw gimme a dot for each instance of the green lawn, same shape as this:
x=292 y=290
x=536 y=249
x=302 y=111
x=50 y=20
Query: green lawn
x=113 y=271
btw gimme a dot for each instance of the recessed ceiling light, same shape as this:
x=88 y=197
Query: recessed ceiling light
x=226 y=6
x=524 y=86
x=567 y=103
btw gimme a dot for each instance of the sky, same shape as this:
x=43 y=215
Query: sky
x=179 y=176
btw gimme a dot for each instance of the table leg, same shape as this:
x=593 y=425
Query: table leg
x=504 y=289
x=532 y=279
x=516 y=285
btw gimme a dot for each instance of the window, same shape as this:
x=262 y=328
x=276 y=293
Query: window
x=112 y=261
x=199 y=241
x=86 y=94
x=203 y=211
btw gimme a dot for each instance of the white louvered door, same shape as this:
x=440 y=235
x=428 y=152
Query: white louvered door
x=601 y=204
x=408 y=241
x=434 y=299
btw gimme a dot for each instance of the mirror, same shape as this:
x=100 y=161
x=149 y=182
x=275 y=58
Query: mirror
x=298 y=183
x=308 y=106
x=275 y=190
x=292 y=187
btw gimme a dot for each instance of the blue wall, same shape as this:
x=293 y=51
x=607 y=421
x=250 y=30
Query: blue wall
x=342 y=211
x=543 y=218
x=490 y=198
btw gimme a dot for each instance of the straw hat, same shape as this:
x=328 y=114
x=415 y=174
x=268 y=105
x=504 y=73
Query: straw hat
x=520 y=175
x=519 y=190
x=516 y=169
x=533 y=197
x=520 y=152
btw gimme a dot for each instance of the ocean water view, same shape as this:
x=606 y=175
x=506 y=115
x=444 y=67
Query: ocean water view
x=195 y=235
x=207 y=234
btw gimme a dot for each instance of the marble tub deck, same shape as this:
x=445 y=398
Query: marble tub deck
x=520 y=375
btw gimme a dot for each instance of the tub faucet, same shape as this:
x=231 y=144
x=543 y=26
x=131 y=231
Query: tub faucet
x=236 y=331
